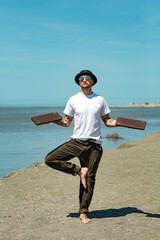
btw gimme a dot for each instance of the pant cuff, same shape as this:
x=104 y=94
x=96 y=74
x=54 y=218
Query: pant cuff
x=84 y=210
x=76 y=169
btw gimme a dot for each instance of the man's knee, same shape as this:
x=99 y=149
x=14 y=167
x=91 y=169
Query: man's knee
x=49 y=160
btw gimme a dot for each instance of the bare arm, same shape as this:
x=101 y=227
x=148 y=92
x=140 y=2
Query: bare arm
x=108 y=121
x=65 y=122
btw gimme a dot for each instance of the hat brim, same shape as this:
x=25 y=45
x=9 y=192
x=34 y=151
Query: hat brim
x=89 y=74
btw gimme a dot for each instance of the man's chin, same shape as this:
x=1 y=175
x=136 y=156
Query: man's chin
x=85 y=87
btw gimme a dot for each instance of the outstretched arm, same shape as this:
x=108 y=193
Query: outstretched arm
x=108 y=121
x=65 y=122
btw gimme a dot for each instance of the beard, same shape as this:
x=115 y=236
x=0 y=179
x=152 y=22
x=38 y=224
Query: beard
x=85 y=87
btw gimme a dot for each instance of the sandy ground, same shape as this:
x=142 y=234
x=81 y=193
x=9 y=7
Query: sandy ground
x=41 y=203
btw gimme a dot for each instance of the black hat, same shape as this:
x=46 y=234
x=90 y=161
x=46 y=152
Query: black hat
x=85 y=72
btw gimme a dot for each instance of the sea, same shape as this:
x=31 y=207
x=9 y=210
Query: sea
x=23 y=143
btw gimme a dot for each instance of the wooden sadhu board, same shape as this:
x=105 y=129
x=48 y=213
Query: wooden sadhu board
x=131 y=123
x=46 y=118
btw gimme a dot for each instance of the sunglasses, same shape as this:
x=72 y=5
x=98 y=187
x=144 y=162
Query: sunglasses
x=82 y=78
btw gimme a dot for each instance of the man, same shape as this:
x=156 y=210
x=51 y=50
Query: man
x=86 y=109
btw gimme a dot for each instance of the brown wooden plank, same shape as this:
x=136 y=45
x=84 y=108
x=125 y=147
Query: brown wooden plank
x=46 y=118
x=131 y=123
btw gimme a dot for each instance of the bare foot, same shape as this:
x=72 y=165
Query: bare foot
x=84 y=218
x=83 y=173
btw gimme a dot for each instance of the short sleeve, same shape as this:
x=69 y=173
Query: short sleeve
x=105 y=108
x=69 y=108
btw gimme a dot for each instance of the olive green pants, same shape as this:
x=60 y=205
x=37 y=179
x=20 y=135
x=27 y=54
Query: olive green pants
x=89 y=154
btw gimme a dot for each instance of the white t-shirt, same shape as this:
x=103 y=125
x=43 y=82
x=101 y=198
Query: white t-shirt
x=87 y=111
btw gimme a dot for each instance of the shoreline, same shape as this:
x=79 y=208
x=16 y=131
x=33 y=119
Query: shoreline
x=104 y=149
x=138 y=106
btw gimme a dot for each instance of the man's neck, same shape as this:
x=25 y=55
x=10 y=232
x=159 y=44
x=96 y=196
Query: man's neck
x=86 y=91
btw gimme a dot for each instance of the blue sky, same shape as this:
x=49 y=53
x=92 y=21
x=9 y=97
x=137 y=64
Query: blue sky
x=45 y=43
